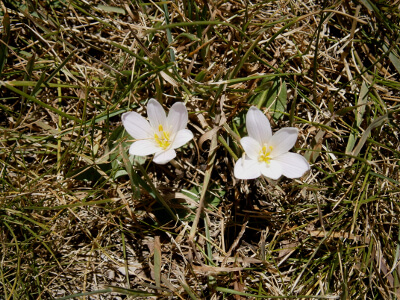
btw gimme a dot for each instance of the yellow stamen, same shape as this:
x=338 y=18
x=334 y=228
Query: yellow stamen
x=162 y=138
x=265 y=154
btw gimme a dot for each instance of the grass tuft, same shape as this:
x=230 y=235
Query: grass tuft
x=80 y=218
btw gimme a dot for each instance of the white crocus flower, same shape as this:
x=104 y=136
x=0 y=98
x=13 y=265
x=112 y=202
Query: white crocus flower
x=267 y=154
x=161 y=135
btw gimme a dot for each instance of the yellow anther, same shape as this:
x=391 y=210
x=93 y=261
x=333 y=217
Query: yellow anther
x=165 y=135
x=265 y=154
x=162 y=140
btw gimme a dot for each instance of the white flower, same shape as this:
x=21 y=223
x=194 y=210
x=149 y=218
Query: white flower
x=267 y=154
x=162 y=135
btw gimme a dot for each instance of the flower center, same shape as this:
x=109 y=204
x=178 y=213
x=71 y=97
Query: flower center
x=162 y=138
x=264 y=155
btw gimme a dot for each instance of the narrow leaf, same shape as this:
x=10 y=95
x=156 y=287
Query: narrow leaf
x=393 y=58
x=111 y=9
x=5 y=40
x=376 y=123
x=133 y=177
x=362 y=100
x=157 y=261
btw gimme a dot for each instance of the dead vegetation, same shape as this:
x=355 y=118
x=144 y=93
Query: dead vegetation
x=78 y=217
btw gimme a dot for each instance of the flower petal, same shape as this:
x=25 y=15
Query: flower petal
x=143 y=148
x=163 y=157
x=246 y=168
x=283 y=140
x=251 y=147
x=272 y=170
x=181 y=138
x=258 y=125
x=136 y=125
x=156 y=114
x=177 y=117
x=293 y=165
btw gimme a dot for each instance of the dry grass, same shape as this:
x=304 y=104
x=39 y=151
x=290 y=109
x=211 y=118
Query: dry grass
x=81 y=219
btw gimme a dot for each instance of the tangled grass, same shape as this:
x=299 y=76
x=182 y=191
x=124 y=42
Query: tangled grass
x=79 y=218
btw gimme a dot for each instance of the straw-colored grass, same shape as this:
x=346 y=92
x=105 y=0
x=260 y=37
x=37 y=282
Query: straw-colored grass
x=81 y=219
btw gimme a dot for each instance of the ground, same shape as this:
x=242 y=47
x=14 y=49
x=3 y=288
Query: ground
x=81 y=218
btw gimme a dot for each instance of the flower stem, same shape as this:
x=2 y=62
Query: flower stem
x=207 y=176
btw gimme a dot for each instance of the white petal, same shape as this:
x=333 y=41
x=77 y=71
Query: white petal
x=156 y=114
x=181 y=138
x=247 y=169
x=143 y=148
x=163 y=157
x=258 y=125
x=293 y=165
x=177 y=117
x=251 y=147
x=136 y=125
x=272 y=170
x=283 y=140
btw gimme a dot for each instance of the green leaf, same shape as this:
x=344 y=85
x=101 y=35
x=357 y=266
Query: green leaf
x=367 y=4
x=213 y=198
x=273 y=95
x=5 y=39
x=393 y=58
x=111 y=9
x=190 y=36
x=200 y=76
x=133 y=176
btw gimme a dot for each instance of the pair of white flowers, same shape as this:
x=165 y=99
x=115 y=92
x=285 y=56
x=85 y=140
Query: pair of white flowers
x=265 y=154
